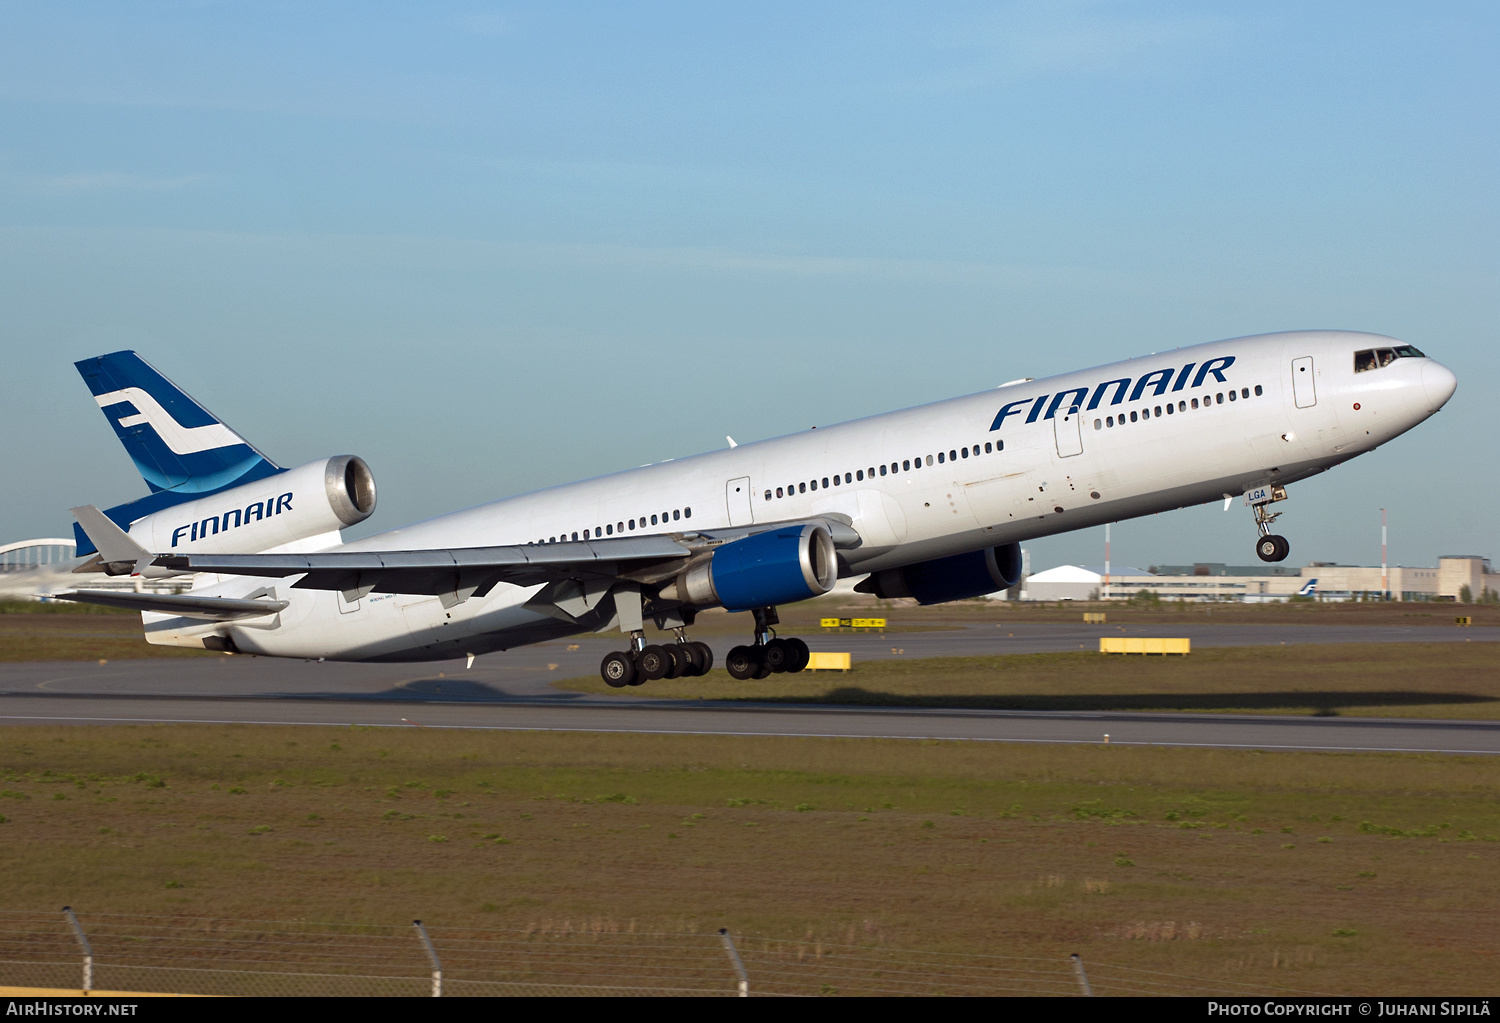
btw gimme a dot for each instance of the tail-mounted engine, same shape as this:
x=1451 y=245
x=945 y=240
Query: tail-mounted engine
x=314 y=499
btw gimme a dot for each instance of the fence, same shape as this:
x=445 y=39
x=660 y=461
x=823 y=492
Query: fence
x=215 y=956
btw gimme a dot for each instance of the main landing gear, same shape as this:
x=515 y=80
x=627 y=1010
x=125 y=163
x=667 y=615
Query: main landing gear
x=641 y=663
x=768 y=655
x=1270 y=546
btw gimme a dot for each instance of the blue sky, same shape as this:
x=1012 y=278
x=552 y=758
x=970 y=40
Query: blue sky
x=497 y=247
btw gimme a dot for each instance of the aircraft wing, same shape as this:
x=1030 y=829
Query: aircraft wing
x=455 y=574
x=459 y=572
x=216 y=609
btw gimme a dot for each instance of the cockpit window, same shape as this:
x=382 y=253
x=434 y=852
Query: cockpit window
x=1377 y=358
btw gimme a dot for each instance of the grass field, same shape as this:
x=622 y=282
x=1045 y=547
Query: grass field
x=1317 y=872
x=54 y=632
x=1441 y=680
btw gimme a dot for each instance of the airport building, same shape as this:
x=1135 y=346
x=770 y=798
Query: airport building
x=1456 y=577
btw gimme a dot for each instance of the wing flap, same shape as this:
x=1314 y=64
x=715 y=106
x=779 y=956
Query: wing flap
x=465 y=570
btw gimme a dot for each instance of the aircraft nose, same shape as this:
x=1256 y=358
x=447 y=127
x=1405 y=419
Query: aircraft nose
x=1438 y=382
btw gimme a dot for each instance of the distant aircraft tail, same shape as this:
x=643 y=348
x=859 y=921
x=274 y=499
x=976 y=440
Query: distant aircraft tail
x=1310 y=589
x=182 y=450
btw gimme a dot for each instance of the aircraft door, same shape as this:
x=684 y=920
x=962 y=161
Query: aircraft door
x=737 y=495
x=1069 y=431
x=1303 y=390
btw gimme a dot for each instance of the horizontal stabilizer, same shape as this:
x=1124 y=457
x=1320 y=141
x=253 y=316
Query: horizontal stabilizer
x=215 y=609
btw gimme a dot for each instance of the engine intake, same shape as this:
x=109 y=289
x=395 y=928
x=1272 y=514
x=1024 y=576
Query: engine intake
x=955 y=578
x=351 y=488
x=779 y=566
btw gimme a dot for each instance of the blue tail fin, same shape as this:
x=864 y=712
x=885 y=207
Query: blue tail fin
x=180 y=448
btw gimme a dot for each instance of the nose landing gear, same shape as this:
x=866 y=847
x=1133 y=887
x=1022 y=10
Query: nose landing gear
x=1270 y=546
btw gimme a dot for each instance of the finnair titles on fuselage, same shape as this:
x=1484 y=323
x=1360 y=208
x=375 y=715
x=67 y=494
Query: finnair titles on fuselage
x=930 y=502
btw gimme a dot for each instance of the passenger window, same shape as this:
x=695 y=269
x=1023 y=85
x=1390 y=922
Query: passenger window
x=929 y=459
x=1221 y=399
x=802 y=488
x=1257 y=390
x=632 y=523
x=871 y=472
x=965 y=451
x=848 y=477
x=1244 y=392
x=815 y=484
x=987 y=447
x=1145 y=413
x=1233 y=396
x=1098 y=424
x=1132 y=417
x=999 y=446
x=1170 y=409
x=687 y=513
x=1109 y=420
x=941 y=458
x=621 y=526
x=653 y=520
x=836 y=480
x=778 y=491
x=575 y=536
x=860 y=474
x=610 y=530
x=1158 y=411
x=768 y=495
x=905 y=466
x=825 y=482
x=1195 y=403
x=952 y=455
x=882 y=468
x=1182 y=406
x=676 y=514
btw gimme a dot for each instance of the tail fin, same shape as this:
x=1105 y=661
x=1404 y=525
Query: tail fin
x=182 y=450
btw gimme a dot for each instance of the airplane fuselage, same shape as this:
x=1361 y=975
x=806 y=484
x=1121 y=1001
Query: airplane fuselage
x=1010 y=464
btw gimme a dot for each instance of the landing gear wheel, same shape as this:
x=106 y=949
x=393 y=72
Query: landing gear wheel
x=618 y=670
x=695 y=657
x=800 y=654
x=765 y=667
x=678 y=664
x=654 y=662
x=778 y=655
x=1272 y=548
x=744 y=662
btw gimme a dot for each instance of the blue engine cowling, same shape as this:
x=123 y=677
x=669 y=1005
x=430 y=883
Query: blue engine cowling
x=780 y=566
x=955 y=578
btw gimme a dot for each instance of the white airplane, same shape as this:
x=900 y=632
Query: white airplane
x=930 y=502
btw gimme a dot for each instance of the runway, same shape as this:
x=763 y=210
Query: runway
x=512 y=691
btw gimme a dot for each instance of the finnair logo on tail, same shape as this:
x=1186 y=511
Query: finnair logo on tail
x=181 y=440
x=1310 y=590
